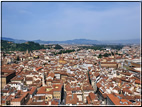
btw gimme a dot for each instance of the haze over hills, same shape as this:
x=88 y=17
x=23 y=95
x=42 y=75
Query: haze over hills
x=78 y=41
x=14 y=40
x=128 y=41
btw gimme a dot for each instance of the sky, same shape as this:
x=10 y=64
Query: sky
x=57 y=21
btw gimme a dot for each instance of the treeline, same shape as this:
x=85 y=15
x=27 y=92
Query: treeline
x=102 y=47
x=58 y=47
x=105 y=55
x=52 y=46
x=64 y=51
x=10 y=46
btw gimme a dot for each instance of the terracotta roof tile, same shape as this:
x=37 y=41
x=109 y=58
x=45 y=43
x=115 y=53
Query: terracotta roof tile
x=114 y=99
x=92 y=96
x=32 y=90
x=38 y=68
x=137 y=81
x=51 y=74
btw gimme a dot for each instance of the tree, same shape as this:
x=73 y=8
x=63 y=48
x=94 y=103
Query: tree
x=112 y=53
x=18 y=59
x=106 y=55
x=58 y=47
x=100 y=56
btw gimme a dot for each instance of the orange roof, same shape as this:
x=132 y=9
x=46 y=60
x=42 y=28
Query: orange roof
x=51 y=74
x=22 y=95
x=42 y=90
x=32 y=90
x=87 y=88
x=68 y=88
x=92 y=96
x=17 y=78
x=137 y=97
x=99 y=85
x=104 y=94
x=137 y=81
x=76 y=89
x=9 y=97
x=54 y=102
x=38 y=68
x=71 y=100
x=127 y=90
x=124 y=100
x=114 y=99
x=96 y=74
x=88 y=99
x=29 y=78
x=57 y=87
x=6 y=70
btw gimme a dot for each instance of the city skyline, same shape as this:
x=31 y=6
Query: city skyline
x=58 y=21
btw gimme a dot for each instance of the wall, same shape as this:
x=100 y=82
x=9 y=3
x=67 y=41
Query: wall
x=48 y=97
x=57 y=95
x=3 y=82
x=15 y=103
x=29 y=82
x=80 y=97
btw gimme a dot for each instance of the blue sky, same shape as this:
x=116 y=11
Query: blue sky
x=71 y=20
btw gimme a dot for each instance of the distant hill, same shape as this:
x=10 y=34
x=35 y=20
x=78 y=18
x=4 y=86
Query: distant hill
x=13 y=40
x=82 y=41
x=75 y=41
x=78 y=41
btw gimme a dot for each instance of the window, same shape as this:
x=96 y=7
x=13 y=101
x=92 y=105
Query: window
x=7 y=102
x=39 y=97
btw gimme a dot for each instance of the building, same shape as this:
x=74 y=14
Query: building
x=7 y=75
x=109 y=64
x=21 y=98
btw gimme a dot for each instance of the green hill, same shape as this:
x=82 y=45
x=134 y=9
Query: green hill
x=10 y=46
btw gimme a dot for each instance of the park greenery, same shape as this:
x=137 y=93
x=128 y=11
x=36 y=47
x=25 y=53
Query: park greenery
x=64 y=51
x=104 y=55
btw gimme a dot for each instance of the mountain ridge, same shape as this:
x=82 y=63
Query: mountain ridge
x=77 y=41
